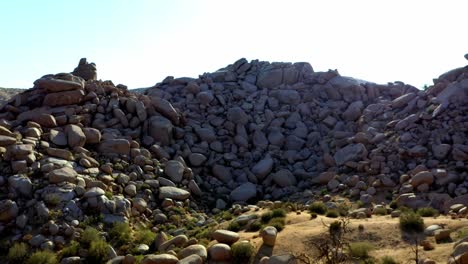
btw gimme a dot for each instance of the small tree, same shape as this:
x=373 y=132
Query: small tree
x=412 y=227
x=330 y=245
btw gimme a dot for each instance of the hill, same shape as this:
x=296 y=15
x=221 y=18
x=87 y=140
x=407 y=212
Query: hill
x=94 y=172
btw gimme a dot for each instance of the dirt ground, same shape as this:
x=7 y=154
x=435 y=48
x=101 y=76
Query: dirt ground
x=381 y=231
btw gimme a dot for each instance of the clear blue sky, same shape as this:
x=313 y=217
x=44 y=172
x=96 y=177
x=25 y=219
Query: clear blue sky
x=140 y=42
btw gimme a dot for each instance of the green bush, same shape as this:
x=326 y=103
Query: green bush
x=18 y=252
x=266 y=217
x=343 y=210
x=380 y=211
x=145 y=237
x=427 y=212
x=226 y=215
x=70 y=250
x=318 y=208
x=121 y=233
x=278 y=213
x=411 y=223
x=278 y=223
x=242 y=251
x=388 y=260
x=332 y=214
x=393 y=205
x=234 y=226
x=98 y=252
x=89 y=235
x=360 y=250
x=255 y=226
x=42 y=257
x=462 y=233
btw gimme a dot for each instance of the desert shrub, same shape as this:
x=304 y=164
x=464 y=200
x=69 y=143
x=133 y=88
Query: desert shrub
x=204 y=233
x=343 y=210
x=145 y=237
x=380 y=211
x=318 y=208
x=226 y=215
x=332 y=214
x=278 y=223
x=70 y=250
x=411 y=223
x=278 y=213
x=255 y=226
x=242 y=251
x=388 y=260
x=360 y=204
x=266 y=217
x=427 y=212
x=89 y=235
x=18 y=252
x=121 y=233
x=462 y=233
x=393 y=205
x=360 y=250
x=98 y=252
x=42 y=257
x=109 y=195
x=234 y=226
x=313 y=215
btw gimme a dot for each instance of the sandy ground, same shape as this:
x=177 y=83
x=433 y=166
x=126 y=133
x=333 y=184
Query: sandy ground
x=382 y=231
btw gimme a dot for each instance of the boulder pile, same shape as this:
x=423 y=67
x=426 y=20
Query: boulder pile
x=74 y=148
x=271 y=130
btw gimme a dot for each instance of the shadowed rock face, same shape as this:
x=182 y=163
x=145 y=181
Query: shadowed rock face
x=252 y=130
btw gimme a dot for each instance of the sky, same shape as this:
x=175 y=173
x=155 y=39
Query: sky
x=140 y=42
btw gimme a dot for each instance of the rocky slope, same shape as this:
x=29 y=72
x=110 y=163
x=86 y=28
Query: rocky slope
x=75 y=149
x=272 y=130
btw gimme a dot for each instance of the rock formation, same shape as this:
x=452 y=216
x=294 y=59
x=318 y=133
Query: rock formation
x=73 y=147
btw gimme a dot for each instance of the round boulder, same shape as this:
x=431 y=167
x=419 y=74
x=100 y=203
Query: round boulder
x=220 y=252
x=269 y=234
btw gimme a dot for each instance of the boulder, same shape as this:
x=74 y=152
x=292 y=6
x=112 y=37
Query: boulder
x=352 y=152
x=65 y=174
x=268 y=235
x=220 y=252
x=173 y=193
x=75 y=136
x=114 y=146
x=8 y=210
x=284 y=178
x=421 y=178
x=174 y=170
x=196 y=249
x=64 y=98
x=93 y=136
x=159 y=259
x=56 y=85
x=226 y=236
x=6 y=141
x=160 y=129
x=263 y=167
x=244 y=192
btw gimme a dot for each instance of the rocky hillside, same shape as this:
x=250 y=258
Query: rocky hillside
x=7 y=93
x=78 y=152
x=273 y=130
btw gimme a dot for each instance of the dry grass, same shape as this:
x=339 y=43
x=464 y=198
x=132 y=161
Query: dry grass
x=381 y=231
